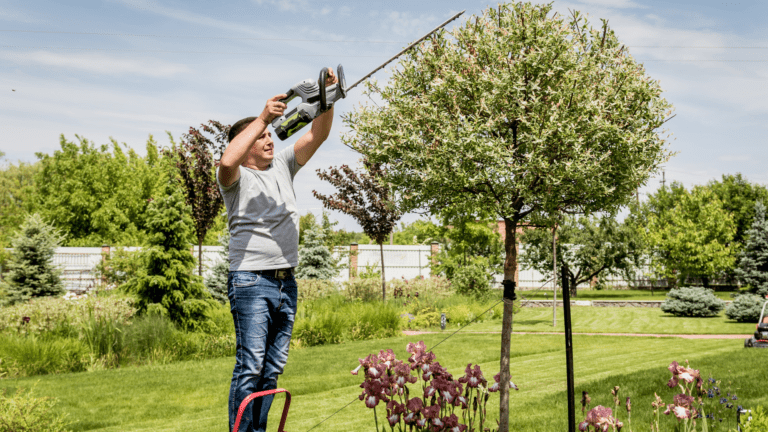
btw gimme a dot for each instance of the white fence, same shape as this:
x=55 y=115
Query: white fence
x=78 y=265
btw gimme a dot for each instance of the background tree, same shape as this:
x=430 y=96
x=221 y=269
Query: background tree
x=472 y=254
x=315 y=259
x=17 y=200
x=363 y=197
x=752 y=269
x=98 y=195
x=519 y=113
x=166 y=283
x=692 y=239
x=333 y=237
x=194 y=159
x=419 y=232
x=738 y=197
x=590 y=246
x=31 y=272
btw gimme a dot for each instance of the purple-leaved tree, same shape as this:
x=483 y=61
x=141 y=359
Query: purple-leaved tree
x=195 y=160
x=363 y=197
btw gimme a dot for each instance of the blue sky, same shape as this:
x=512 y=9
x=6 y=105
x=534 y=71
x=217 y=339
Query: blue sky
x=130 y=68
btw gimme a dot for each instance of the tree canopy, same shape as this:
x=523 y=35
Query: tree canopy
x=98 y=195
x=517 y=113
x=590 y=246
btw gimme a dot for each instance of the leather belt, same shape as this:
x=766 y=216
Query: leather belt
x=280 y=274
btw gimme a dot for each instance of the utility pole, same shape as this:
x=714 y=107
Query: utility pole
x=663 y=179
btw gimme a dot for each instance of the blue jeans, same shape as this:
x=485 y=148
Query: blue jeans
x=263 y=309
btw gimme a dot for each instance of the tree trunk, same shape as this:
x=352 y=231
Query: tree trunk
x=383 y=283
x=200 y=256
x=510 y=270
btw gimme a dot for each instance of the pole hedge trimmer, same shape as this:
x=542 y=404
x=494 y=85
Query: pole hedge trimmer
x=316 y=98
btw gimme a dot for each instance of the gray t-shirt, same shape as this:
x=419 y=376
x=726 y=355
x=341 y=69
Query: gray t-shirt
x=262 y=216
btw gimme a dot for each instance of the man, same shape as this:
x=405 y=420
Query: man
x=257 y=186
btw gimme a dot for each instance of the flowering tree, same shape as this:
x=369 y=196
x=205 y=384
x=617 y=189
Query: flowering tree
x=518 y=114
x=365 y=198
x=446 y=404
x=195 y=161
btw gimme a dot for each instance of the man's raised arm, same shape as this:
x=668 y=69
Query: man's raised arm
x=237 y=151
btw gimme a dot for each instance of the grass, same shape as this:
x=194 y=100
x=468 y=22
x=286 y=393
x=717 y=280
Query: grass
x=591 y=294
x=587 y=319
x=192 y=396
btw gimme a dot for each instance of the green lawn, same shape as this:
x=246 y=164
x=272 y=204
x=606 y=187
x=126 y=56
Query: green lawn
x=587 y=319
x=589 y=294
x=192 y=396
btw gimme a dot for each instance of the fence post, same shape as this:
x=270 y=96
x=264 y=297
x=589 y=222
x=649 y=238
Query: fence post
x=104 y=257
x=352 y=260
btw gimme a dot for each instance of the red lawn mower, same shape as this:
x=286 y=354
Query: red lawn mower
x=760 y=339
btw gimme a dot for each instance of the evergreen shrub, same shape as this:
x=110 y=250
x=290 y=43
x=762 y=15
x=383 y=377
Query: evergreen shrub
x=31 y=272
x=315 y=259
x=745 y=308
x=165 y=283
x=216 y=283
x=692 y=302
x=23 y=412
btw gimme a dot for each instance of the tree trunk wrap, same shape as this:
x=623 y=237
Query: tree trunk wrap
x=510 y=265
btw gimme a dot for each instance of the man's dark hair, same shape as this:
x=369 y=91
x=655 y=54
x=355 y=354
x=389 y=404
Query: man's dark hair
x=239 y=127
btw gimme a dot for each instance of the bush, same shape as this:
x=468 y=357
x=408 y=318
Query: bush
x=31 y=355
x=31 y=272
x=118 y=267
x=692 y=302
x=472 y=279
x=759 y=422
x=313 y=289
x=23 y=412
x=363 y=289
x=147 y=334
x=373 y=321
x=320 y=328
x=745 y=308
x=59 y=317
x=435 y=287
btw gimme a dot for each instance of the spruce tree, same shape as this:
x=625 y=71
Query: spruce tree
x=31 y=272
x=217 y=282
x=315 y=259
x=753 y=263
x=166 y=284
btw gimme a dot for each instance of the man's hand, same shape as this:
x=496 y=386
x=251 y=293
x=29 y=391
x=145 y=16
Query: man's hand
x=273 y=109
x=331 y=79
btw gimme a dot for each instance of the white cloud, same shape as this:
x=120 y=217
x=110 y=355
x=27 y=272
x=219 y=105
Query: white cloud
x=97 y=63
x=615 y=4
